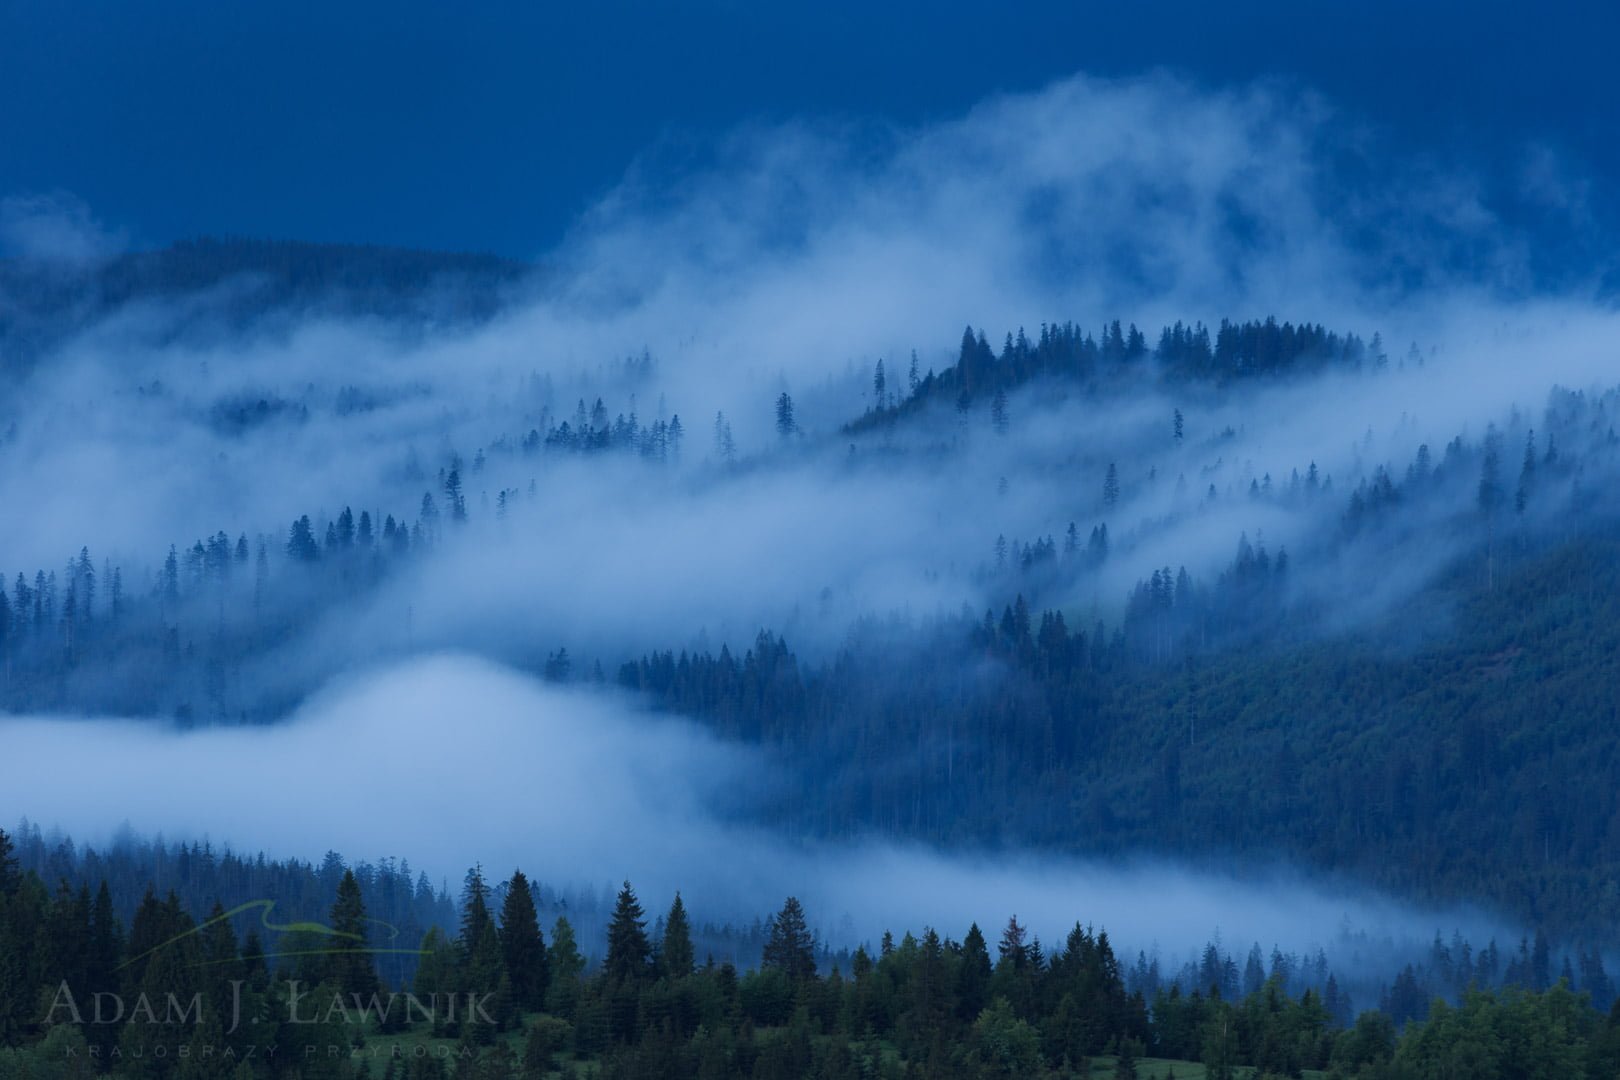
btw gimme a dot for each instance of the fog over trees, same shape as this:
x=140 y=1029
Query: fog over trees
x=1212 y=569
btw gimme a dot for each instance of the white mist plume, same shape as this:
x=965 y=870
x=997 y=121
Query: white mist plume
x=451 y=760
x=55 y=228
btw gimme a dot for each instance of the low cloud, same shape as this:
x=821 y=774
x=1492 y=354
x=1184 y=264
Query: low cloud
x=55 y=228
x=450 y=760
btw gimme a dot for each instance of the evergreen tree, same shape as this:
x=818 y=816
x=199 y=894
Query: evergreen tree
x=301 y=545
x=790 y=948
x=1125 y=1063
x=1012 y=950
x=454 y=495
x=725 y=447
x=482 y=968
x=9 y=877
x=1527 y=474
x=785 y=423
x=566 y=966
x=1490 y=478
x=522 y=945
x=676 y=953
x=628 y=949
x=350 y=963
x=674 y=437
x=973 y=975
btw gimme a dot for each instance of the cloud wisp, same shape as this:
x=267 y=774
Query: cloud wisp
x=452 y=760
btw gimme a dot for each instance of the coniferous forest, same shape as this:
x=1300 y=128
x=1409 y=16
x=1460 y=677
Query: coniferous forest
x=925 y=566
x=1219 y=714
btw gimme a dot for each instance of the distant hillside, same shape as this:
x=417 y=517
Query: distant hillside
x=233 y=282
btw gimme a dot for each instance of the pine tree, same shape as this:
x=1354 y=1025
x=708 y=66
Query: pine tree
x=479 y=945
x=84 y=583
x=301 y=546
x=791 y=948
x=455 y=496
x=567 y=965
x=673 y=438
x=1490 y=479
x=1490 y=499
x=171 y=572
x=1527 y=474
x=1012 y=950
x=785 y=424
x=9 y=877
x=1125 y=1064
x=676 y=954
x=973 y=976
x=350 y=965
x=628 y=948
x=522 y=946
x=1111 y=486
x=725 y=448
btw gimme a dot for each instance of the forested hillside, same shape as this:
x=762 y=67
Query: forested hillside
x=1452 y=739
x=499 y=997
x=1034 y=574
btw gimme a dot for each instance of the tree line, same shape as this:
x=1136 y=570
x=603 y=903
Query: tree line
x=501 y=999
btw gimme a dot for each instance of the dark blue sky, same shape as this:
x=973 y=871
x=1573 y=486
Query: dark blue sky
x=491 y=125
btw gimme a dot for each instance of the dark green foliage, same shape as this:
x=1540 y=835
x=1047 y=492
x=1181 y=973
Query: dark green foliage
x=988 y=725
x=1246 y=350
x=522 y=945
x=675 y=957
x=9 y=878
x=791 y=949
x=482 y=968
x=1454 y=739
x=938 y=1007
x=628 y=951
x=350 y=966
x=546 y=1037
x=567 y=966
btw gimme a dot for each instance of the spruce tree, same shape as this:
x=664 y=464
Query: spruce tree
x=786 y=425
x=628 y=948
x=350 y=964
x=1527 y=474
x=9 y=878
x=106 y=941
x=1125 y=1063
x=522 y=945
x=479 y=946
x=790 y=948
x=567 y=965
x=973 y=976
x=676 y=956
